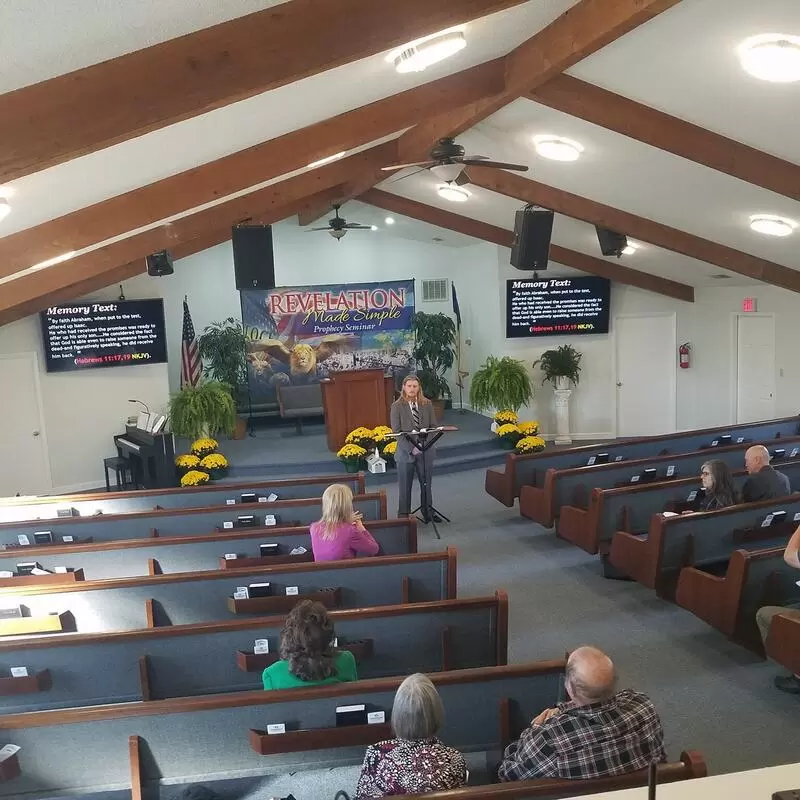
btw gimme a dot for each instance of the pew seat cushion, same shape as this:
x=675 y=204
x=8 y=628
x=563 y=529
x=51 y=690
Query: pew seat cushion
x=277 y=676
x=400 y=766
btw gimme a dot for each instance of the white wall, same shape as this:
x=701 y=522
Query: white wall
x=84 y=410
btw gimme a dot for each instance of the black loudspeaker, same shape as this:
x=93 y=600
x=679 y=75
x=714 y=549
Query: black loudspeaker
x=530 y=249
x=253 y=261
x=160 y=264
x=611 y=243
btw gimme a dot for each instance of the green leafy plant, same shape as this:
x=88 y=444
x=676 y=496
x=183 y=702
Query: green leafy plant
x=202 y=410
x=222 y=348
x=500 y=383
x=434 y=352
x=563 y=362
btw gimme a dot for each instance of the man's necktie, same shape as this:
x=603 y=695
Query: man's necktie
x=415 y=414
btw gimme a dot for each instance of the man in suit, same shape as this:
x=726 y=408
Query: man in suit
x=764 y=482
x=412 y=411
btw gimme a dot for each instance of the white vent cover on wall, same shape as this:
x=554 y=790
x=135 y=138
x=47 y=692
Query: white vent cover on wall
x=434 y=290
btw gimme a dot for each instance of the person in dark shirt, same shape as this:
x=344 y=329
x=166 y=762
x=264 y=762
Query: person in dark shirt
x=718 y=484
x=598 y=732
x=764 y=482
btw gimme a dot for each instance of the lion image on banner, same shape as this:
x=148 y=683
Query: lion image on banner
x=302 y=358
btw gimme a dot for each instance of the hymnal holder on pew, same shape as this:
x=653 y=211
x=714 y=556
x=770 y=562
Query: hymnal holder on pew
x=423 y=439
x=249 y=661
x=26 y=684
x=282 y=603
x=319 y=739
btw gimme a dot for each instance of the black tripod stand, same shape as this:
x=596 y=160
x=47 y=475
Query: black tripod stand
x=423 y=441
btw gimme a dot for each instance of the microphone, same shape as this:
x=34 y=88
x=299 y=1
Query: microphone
x=147 y=410
x=144 y=405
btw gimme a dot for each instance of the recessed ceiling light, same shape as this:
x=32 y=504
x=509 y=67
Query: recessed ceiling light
x=771 y=57
x=389 y=220
x=5 y=208
x=51 y=262
x=326 y=160
x=557 y=148
x=422 y=53
x=770 y=225
x=456 y=194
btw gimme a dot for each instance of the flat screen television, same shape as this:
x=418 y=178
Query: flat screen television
x=557 y=306
x=92 y=335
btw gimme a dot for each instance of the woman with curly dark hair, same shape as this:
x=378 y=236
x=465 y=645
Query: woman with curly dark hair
x=307 y=656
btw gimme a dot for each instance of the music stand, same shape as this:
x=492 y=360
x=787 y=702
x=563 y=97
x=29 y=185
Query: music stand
x=423 y=441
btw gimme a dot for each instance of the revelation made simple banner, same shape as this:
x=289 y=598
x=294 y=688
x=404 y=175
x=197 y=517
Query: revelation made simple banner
x=299 y=334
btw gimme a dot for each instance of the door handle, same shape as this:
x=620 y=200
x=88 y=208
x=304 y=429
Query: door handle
x=36 y=433
x=619 y=383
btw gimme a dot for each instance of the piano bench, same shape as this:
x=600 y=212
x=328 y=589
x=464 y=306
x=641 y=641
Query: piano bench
x=123 y=473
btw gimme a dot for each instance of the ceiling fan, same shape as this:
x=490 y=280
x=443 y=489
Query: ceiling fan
x=338 y=226
x=448 y=159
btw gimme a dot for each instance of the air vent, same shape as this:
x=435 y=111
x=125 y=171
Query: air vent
x=721 y=276
x=434 y=290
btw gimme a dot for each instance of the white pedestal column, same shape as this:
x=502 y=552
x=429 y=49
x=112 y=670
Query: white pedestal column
x=562 y=416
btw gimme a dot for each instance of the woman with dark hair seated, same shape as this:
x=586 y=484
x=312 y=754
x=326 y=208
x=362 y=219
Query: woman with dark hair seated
x=718 y=484
x=307 y=657
x=415 y=762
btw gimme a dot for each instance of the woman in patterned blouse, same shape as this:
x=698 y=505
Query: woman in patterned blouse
x=415 y=761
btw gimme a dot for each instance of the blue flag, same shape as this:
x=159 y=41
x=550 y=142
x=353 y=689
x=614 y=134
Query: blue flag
x=456 y=309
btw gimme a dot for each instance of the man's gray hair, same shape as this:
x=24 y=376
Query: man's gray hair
x=590 y=676
x=417 y=712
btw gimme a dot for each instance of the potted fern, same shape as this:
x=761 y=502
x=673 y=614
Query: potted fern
x=561 y=366
x=203 y=410
x=500 y=383
x=223 y=347
x=435 y=353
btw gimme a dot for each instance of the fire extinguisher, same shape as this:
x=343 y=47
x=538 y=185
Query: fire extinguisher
x=684 y=355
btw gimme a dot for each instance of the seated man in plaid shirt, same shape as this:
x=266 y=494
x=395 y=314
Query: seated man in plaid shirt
x=598 y=732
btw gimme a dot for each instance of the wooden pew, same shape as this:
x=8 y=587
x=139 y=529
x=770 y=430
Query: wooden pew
x=152 y=556
x=194 y=738
x=529 y=470
x=691 y=765
x=206 y=658
x=183 y=598
x=783 y=643
x=573 y=486
x=16 y=509
x=185 y=522
x=755 y=576
x=629 y=508
x=672 y=543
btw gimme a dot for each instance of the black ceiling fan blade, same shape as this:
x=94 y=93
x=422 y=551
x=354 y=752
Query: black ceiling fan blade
x=495 y=164
x=357 y=226
x=311 y=230
x=406 y=166
x=463 y=178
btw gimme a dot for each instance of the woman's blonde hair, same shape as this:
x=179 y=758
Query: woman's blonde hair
x=421 y=399
x=337 y=507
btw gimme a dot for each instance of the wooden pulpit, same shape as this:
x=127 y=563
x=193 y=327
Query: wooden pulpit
x=352 y=398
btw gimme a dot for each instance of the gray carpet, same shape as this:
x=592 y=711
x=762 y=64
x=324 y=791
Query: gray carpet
x=713 y=696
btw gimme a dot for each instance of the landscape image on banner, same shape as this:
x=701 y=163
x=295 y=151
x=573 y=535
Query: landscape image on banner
x=298 y=335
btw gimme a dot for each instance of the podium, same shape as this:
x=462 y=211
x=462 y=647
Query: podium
x=352 y=398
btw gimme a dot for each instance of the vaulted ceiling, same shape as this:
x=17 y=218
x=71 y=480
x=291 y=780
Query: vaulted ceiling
x=130 y=128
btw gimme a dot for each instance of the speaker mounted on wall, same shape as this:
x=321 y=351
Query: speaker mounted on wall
x=533 y=227
x=611 y=242
x=159 y=264
x=253 y=259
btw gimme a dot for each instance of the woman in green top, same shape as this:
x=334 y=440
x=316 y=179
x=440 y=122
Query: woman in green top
x=307 y=658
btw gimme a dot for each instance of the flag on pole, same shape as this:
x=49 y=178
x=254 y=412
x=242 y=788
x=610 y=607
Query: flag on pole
x=190 y=355
x=460 y=373
x=456 y=308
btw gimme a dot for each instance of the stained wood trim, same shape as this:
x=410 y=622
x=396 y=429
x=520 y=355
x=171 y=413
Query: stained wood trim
x=135 y=760
x=405 y=591
x=650 y=126
x=254 y=623
x=38 y=719
x=57 y=120
x=452 y=573
x=155 y=515
x=501 y=656
x=144 y=678
x=447 y=648
x=318 y=739
x=149 y=614
x=211 y=575
x=153 y=567
x=641 y=228
x=505 y=735
x=502 y=237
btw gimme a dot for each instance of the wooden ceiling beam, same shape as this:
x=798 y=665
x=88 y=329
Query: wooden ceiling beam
x=586 y=28
x=104 y=104
x=500 y=236
x=646 y=230
x=236 y=172
x=267 y=205
x=644 y=124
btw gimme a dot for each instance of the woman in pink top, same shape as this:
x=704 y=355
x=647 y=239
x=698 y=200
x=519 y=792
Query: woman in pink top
x=340 y=533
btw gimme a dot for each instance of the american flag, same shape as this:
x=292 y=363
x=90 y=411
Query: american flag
x=190 y=357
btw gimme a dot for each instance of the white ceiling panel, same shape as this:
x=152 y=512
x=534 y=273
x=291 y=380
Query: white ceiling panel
x=684 y=62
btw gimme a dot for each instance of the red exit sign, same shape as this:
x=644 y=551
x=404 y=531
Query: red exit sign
x=749 y=304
